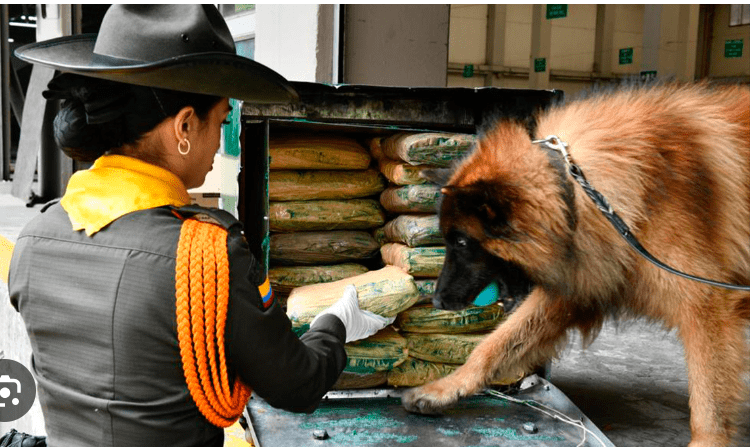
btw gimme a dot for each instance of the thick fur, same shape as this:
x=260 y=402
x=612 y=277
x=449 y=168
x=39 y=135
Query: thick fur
x=674 y=161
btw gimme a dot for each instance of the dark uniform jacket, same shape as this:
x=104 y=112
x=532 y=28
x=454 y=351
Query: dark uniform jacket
x=100 y=313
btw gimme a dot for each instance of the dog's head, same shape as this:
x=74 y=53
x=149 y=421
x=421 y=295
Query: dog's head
x=504 y=218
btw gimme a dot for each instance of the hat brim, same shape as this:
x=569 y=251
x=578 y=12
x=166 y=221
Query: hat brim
x=218 y=74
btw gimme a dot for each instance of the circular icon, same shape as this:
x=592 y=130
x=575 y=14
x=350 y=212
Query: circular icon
x=17 y=390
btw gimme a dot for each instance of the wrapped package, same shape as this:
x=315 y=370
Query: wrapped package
x=321 y=247
x=438 y=149
x=415 y=230
x=317 y=152
x=380 y=352
x=416 y=372
x=317 y=185
x=402 y=173
x=354 y=381
x=411 y=198
x=317 y=215
x=427 y=319
x=442 y=348
x=284 y=279
x=385 y=292
x=419 y=261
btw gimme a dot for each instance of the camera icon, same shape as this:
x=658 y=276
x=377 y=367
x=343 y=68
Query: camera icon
x=17 y=390
x=5 y=391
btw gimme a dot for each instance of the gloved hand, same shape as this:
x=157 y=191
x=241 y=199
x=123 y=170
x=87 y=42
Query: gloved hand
x=359 y=323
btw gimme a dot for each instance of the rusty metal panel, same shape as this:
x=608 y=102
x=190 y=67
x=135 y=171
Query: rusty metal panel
x=455 y=109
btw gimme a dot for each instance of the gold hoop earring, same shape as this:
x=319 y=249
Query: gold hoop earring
x=180 y=144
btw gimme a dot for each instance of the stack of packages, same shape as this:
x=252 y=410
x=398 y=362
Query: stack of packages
x=437 y=341
x=322 y=210
x=411 y=239
x=424 y=343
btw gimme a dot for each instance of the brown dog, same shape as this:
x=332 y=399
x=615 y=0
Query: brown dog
x=674 y=162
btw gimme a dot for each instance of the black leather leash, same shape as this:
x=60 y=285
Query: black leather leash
x=556 y=144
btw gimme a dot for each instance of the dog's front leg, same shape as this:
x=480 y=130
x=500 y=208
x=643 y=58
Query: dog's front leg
x=525 y=340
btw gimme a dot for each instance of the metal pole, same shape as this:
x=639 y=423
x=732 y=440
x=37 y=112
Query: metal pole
x=4 y=94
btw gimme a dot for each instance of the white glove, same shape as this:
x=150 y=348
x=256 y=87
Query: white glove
x=359 y=323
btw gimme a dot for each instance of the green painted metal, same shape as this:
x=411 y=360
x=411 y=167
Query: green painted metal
x=376 y=418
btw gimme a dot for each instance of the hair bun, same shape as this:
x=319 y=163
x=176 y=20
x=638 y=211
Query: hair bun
x=78 y=139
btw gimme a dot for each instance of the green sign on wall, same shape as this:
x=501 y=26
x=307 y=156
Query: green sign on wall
x=733 y=48
x=557 y=11
x=468 y=71
x=540 y=65
x=648 y=75
x=626 y=56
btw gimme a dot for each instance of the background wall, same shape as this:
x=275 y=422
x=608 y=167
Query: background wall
x=584 y=48
x=719 y=64
x=398 y=45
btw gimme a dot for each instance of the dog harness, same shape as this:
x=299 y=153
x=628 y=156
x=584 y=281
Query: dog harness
x=555 y=144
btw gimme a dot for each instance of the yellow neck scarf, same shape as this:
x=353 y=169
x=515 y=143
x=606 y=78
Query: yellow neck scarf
x=117 y=185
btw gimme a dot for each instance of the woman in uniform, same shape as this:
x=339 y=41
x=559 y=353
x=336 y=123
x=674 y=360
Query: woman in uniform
x=150 y=321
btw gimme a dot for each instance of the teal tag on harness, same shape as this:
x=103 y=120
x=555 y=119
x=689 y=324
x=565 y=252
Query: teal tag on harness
x=488 y=295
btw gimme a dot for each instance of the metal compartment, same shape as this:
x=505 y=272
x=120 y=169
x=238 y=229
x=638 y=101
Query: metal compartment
x=361 y=111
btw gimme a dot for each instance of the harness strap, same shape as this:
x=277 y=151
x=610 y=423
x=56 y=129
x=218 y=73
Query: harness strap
x=555 y=143
x=202 y=292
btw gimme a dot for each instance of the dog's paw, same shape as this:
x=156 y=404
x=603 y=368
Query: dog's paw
x=430 y=398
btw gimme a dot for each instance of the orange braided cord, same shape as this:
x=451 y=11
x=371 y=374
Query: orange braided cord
x=202 y=292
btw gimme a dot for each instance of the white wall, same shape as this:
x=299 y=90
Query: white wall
x=291 y=52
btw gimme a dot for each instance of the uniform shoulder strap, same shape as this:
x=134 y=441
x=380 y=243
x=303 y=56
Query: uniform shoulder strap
x=211 y=215
x=202 y=299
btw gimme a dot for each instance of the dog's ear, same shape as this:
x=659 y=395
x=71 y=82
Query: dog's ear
x=483 y=201
x=437 y=176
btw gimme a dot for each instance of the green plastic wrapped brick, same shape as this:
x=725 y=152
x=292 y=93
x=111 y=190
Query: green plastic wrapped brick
x=320 y=185
x=426 y=286
x=321 y=247
x=438 y=149
x=284 y=279
x=442 y=348
x=317 y=152
x=411 y=198
x=321 y=215
x=427 y=319
x=415 y=230
x=417 y=372
x=419 y=261
x=379 y=235
x=354 y=381
x=385 y=292
x=402 y=173
x=380 y=352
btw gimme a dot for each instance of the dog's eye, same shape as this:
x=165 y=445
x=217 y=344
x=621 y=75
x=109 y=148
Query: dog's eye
x=462 y=241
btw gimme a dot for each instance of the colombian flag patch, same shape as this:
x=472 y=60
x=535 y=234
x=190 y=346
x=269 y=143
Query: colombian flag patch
x=266 y=293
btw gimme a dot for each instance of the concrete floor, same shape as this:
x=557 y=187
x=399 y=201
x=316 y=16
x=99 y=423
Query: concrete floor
x=631 y=382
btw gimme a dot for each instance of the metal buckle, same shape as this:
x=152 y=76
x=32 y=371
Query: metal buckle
x=554 y=142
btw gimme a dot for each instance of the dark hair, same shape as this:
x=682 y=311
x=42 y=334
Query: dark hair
x=98 y=115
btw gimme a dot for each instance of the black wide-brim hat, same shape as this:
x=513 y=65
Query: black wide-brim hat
x=178 y=47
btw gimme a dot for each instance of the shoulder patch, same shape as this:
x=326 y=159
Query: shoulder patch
x=210 y=215
x=266 y=293
x=206 y=218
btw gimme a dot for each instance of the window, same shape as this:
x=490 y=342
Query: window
x=739 y=15
x=233 y=10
